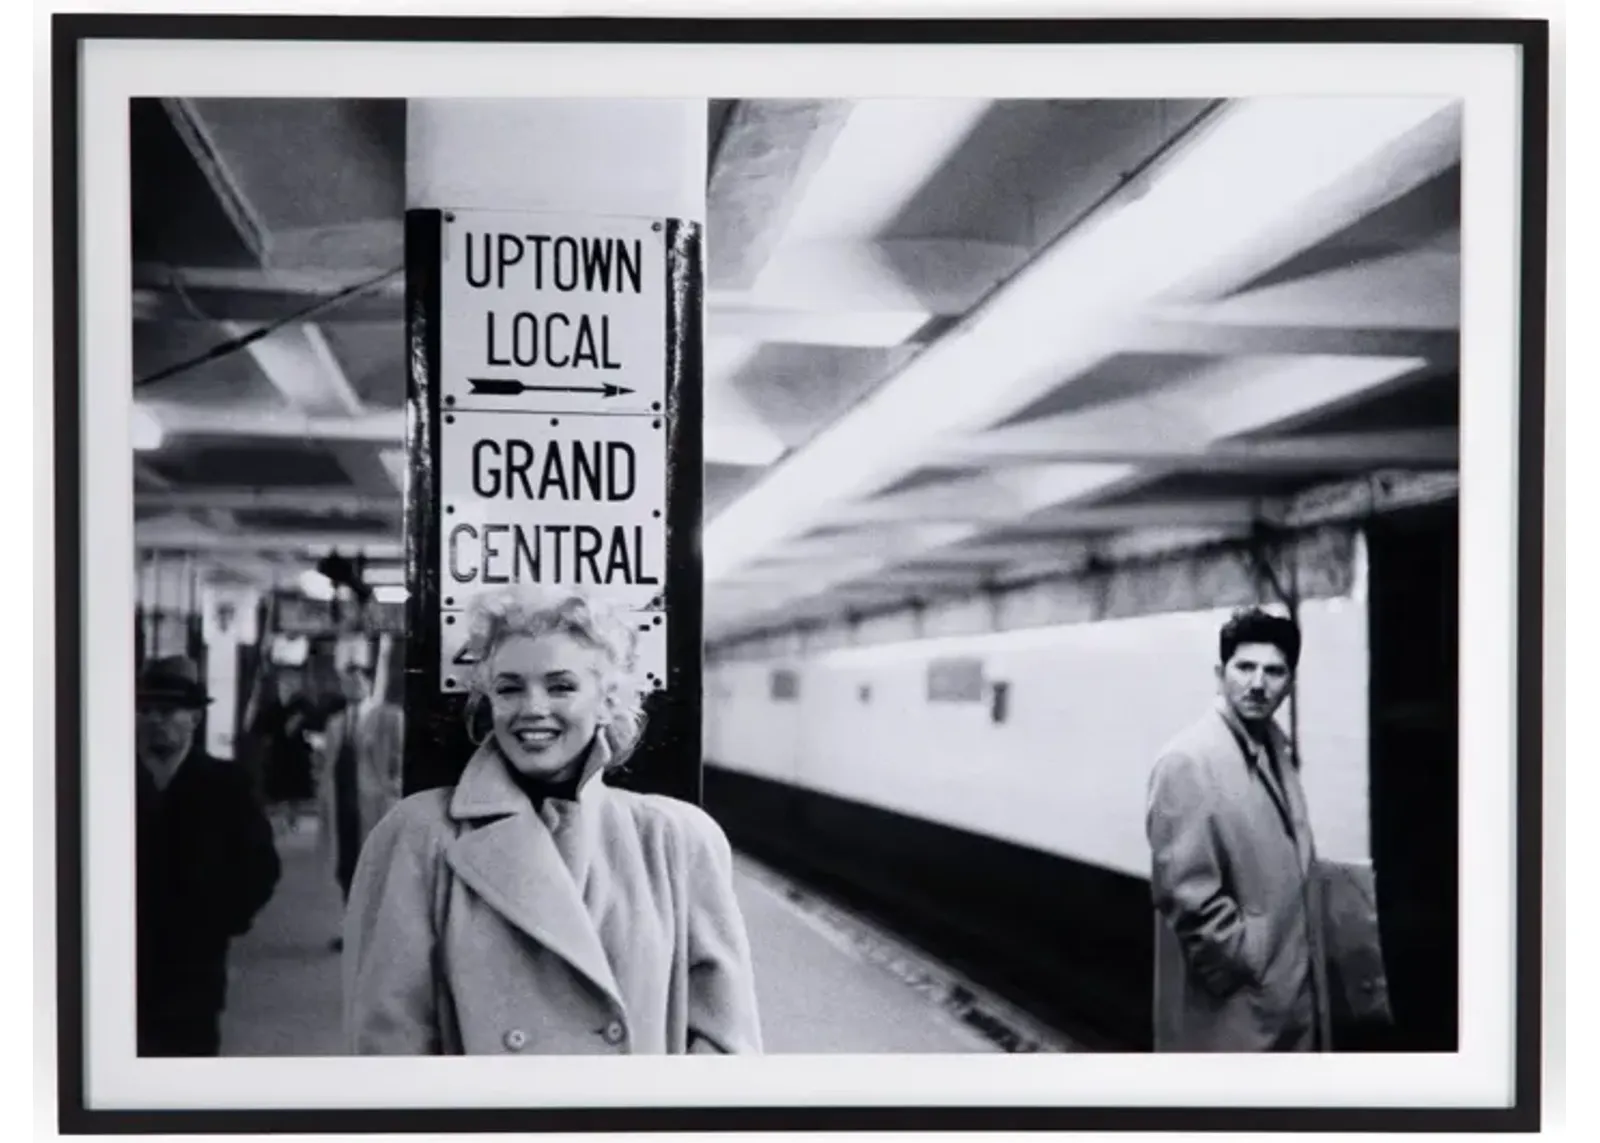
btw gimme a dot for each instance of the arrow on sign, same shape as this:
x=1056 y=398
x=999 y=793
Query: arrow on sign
x=504 y=387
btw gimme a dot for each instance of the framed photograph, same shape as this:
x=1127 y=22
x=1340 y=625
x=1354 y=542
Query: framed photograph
x=811 y=575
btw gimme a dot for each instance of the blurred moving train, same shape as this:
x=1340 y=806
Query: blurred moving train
x=975 y=774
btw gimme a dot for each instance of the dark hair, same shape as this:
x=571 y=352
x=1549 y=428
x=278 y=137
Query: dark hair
x=1253 y=625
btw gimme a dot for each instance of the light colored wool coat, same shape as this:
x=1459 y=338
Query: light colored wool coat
x=379 y=732
x=1237 y=897
x=608 y=924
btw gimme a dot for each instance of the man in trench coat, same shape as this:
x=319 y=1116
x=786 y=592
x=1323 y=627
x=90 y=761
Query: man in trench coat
x=1240 y=962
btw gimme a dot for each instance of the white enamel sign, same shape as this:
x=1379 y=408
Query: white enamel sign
x=553 y=438
x=553 y=313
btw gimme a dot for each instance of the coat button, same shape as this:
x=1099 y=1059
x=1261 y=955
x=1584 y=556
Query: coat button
x=516 y=1039
x=614 y=1032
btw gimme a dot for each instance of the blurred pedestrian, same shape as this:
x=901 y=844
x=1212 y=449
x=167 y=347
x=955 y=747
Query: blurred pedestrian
x=338 y=795
x=380 y=744
x=206 y=865
x=282 y=727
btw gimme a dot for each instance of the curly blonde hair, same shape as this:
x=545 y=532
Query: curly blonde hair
x=533 y=610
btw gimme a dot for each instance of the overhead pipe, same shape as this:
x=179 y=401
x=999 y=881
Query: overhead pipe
x=233 y=345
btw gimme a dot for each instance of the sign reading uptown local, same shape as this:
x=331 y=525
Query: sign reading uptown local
x=553 y=314
x=552 y=432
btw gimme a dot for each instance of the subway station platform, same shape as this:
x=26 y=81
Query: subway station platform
x=827 y=982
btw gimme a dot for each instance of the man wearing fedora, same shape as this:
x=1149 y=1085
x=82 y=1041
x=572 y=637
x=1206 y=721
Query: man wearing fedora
x=207 y=863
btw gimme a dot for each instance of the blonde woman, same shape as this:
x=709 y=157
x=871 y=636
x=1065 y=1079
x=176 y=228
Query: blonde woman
x=532 y=908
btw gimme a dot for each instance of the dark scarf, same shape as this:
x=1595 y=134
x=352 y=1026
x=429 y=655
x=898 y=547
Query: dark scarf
x=539 y=790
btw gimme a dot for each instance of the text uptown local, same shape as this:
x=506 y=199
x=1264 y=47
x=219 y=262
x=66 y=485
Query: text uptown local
x=562 y=263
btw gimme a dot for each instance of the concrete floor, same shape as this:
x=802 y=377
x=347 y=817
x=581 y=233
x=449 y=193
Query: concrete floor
x=816 y=993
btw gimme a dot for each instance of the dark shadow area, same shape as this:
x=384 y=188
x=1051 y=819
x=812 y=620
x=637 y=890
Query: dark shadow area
x=1413 y=600
x=177 y=219
x=1067 y=942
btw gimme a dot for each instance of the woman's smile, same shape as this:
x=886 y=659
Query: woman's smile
x=536 y=738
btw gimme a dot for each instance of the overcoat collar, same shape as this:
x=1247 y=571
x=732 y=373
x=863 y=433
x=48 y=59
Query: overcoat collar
x=1282 y=786
x=486 y=788
x=515 y=865
x=1281 y=746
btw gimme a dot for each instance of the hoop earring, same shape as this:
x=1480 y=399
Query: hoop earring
x=474 y=712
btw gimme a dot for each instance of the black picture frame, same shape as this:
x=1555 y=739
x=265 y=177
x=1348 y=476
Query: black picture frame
x=69 y=32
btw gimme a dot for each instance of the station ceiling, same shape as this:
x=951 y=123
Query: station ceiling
x=950 y=343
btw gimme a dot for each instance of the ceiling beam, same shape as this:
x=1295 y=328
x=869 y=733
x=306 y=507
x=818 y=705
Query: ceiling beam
x=1185 y=420
x=838 y=568
x=861 y=293
x=367 y=468
x=768 y=152
x=1014 y=550
x=301 y=366
x=1180 y=334
x=387 y=427
x=256 y=297
x=864 y=541
x=1223 y=401
x=308 y=284
x=1402 y=162
x=734 y=433
x=908 y=575
x=984 y=496
x=324 y=501
x=1417 y=448
x=397 y=463
x=144 y=474
x=198 y=539
x=295 y=358
x=887 y=150
x=1066 y=537
x=197 y=138
x=1055 y=522
x=1317 y=165
x=1413 y=290
x=929 y=275
x=857 y=328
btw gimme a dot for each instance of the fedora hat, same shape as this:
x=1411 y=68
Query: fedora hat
x=174 y=679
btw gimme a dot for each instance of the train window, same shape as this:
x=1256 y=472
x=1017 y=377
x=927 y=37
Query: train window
x=955 y=680
x=785 y=685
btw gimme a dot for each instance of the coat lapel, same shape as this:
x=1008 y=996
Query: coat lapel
x=1256 y=760
x=333 y=739
x=1295 y=799
x=1305 y=847
x=512 y=863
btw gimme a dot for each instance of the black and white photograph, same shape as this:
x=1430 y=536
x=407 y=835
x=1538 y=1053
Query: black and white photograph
x=865 y=580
